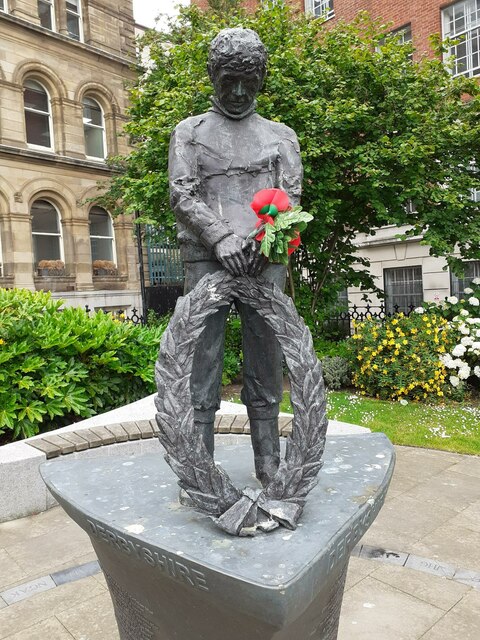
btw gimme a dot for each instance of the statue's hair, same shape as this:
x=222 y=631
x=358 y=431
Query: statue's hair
x=237 y=49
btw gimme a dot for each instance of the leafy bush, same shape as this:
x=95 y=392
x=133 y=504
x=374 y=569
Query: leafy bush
x=337 y=372
x=331 y=349
x=56 y=364
x=463 y=361
x=468 y=305
x=401 y=358
x=232 y=361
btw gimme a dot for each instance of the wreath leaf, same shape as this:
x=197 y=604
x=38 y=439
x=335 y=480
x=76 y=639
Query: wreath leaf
x=208 y=485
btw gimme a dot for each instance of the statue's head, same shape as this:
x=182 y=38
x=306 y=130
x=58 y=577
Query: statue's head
x=237 y=64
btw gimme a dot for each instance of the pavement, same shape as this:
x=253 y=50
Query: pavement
x=415 y=574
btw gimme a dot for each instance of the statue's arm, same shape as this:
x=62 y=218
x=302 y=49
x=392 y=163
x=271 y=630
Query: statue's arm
x=192 y=210
x=290 y=169
x=185 y=200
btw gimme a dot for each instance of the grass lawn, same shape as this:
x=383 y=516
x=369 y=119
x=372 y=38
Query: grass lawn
x=449 y=427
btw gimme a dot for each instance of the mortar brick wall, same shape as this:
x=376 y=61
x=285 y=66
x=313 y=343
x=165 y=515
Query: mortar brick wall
x=423 y=15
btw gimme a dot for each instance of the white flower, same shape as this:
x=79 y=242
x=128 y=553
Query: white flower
x=452 y=300
x=419 y=310
x=467 y=341
x=475 y=302
x=468 y=291
x=464 y=312
x=476 y=281
x=464 y=329
x=476 y=371
x=454 y=381
x=477 y=333
x=459 y=350
x=403 y=402
x=464 y=372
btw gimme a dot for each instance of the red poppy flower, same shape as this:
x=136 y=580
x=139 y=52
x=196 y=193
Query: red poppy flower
x=294 y=244
x=269 y=202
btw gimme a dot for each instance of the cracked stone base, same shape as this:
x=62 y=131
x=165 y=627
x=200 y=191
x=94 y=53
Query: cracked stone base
x=173 y=575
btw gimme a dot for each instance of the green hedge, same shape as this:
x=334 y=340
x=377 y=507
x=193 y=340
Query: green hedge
x=58 y=364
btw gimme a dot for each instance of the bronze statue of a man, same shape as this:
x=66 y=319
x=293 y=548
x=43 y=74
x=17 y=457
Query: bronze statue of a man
x=218 y=161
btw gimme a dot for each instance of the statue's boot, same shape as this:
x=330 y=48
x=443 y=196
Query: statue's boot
x=266 y=447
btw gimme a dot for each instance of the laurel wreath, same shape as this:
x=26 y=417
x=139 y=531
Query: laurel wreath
x=281 y=502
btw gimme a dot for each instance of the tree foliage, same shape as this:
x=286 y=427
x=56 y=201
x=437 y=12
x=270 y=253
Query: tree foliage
x=377 y=132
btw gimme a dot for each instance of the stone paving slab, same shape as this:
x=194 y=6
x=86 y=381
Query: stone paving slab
x=80 y=443
x=118 y=432
x=28 y=589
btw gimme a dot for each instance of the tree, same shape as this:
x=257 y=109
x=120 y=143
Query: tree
x=378 y=133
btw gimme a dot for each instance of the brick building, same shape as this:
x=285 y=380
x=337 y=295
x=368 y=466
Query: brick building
x=404 y=269
x=63 y=67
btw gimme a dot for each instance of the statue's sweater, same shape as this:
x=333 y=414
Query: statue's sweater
x=216 y=165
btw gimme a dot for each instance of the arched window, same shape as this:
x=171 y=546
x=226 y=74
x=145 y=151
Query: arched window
x=93 y=128
x=38 y=115
x=46 y=232
x=102 y=239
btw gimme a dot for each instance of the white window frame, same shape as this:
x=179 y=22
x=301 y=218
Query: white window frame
x=95 y=126
x=326 y=8
x=52 y=13
x=58 y=235
x=402 y=31
x=390 y=304
x=471 y=7
x=79 y=15
x=49 y=114
x=457 y=285
x=5 y=7
x=112 y=237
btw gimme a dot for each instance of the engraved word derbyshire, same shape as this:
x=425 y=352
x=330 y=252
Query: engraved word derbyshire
x=166 y=563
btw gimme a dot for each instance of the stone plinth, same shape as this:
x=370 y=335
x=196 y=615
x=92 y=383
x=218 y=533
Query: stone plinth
x=173 y=574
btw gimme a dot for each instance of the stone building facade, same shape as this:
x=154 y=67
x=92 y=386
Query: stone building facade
x=404 y=269
x=63 y=69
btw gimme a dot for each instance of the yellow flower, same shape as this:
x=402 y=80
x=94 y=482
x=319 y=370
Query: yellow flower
x=394 y=321
x=359 y=357
x=2 y=341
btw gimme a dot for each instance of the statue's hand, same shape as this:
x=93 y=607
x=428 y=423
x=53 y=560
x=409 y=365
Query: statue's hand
x=256 y=260
x=229 y=252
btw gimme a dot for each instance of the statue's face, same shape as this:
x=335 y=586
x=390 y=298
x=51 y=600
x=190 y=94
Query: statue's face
x=236 y=90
